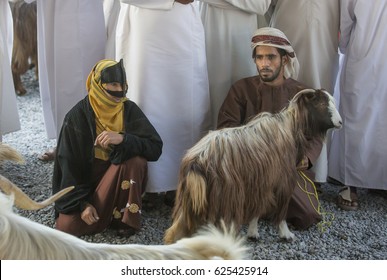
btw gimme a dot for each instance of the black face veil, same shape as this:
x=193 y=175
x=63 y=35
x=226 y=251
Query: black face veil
x=115 y=74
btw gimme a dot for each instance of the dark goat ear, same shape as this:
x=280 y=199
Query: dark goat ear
x=310 y=95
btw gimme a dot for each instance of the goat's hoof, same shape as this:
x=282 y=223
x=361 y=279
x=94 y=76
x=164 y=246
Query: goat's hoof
x=289 y=237
x=21 y=92
x=253 y=237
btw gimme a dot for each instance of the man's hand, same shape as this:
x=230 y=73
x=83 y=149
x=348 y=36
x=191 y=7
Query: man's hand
x=89 y=215
x=184 y=2
x=108 y=137
x=304 y=164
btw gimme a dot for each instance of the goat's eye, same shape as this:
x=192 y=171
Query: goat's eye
x=322 y=105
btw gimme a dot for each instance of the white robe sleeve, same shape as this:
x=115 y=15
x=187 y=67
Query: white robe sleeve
x=222 y=4
x=347 y=20
x=151 y=4
x=251 y=6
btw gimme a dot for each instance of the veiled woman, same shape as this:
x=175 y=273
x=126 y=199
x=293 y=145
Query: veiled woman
x=103 y=149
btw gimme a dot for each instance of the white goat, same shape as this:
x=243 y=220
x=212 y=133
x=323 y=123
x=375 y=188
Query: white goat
x=21 y=238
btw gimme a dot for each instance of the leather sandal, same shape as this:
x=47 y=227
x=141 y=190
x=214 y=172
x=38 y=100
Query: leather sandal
x=47 y=156
x=125 y=233
x=347 y=199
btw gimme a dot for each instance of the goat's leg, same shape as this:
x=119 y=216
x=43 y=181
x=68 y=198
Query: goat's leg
x=252 y=231
x=19 y=88
x=34 y=60
x=177 y=230
x=284 y=231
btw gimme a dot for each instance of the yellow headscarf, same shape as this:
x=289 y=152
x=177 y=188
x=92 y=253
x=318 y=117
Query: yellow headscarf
x=109 y=115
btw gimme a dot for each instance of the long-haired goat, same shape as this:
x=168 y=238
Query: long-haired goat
x=21 y=238
x=25 y=46
x=242 y=174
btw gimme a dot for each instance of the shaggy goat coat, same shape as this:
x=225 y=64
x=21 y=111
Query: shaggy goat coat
x=239 y=174
x=25 y=46
x=21 y=238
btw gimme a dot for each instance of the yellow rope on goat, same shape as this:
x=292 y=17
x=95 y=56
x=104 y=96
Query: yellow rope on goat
x=326 y=222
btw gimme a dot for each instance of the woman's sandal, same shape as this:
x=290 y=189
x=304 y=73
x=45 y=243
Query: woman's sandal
x=126 y=233
x=347 y=199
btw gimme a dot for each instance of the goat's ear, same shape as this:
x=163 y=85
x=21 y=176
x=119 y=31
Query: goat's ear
x=308 y=95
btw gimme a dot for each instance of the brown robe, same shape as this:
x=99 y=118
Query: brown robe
x=117 y=198
x=249 y=97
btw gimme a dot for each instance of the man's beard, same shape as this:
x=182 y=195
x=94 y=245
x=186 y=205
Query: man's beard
x=272 y=77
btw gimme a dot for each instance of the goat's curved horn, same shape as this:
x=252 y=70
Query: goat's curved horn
x=23 y=201
x=9 y=153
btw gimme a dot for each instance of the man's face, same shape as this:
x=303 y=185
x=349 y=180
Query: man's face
x=269 y=63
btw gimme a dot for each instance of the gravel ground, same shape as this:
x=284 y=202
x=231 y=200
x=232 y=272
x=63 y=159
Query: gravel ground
x=359 y=235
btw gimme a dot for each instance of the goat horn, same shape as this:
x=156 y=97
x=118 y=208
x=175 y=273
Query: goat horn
x=23 y=201
x=9 y=153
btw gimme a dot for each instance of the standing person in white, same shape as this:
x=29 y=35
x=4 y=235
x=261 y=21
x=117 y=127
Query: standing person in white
x=111 y=9
x=9 y=117
x=228 y=25
x=312 y=27
x=162 y=43
x=71 y=39
x=358 y=152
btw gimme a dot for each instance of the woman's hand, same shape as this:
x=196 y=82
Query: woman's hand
x=89 y=215
x=107 y=138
